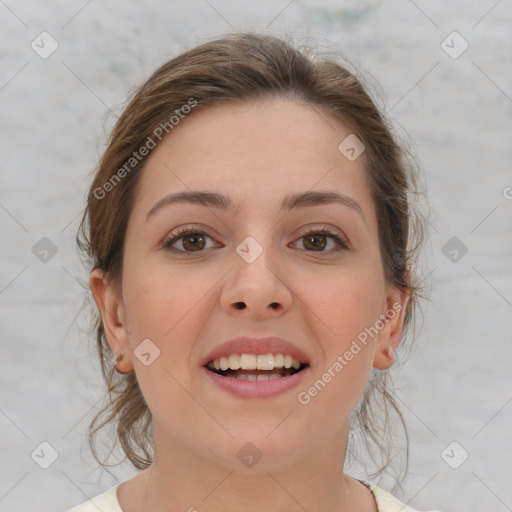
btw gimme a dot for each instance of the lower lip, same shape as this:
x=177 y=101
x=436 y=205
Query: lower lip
x=258 y=388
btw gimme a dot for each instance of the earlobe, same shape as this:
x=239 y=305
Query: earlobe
x=109 y=301
x=393 y=318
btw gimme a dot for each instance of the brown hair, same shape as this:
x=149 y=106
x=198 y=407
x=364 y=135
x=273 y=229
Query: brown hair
x=248 y=67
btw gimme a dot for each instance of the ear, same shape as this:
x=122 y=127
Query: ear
x=110 y=305
x=392 y=316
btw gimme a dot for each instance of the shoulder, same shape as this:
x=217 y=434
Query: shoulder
x=388 y=503
x=106 y=502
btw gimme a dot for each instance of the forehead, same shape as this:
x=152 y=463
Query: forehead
x=256 y=154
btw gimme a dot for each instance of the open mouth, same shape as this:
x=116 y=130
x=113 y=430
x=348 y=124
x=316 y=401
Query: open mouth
x=254 y=367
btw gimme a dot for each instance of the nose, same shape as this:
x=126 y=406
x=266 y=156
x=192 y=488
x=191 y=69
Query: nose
x=257 y=288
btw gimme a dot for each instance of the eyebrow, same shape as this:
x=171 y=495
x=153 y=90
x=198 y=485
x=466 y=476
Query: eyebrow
x=222 y=202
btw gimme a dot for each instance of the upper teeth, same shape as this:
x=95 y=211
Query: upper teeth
x=254 y=362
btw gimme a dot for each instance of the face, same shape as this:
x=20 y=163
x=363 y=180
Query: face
x=317 y=280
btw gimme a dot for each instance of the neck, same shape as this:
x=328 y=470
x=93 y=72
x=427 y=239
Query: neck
x=184 y=478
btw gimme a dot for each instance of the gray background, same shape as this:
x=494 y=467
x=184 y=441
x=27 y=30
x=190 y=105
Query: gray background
x=456 y=385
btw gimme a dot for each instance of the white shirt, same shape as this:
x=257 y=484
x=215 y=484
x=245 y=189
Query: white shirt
x=107 y=502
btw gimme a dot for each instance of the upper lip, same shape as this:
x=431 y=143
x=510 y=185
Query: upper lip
x=258 y=346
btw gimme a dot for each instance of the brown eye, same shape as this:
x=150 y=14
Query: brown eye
x=193 y=242
x=188 y=240
x=318 y=240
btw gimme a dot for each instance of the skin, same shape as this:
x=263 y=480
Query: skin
x=187 y=304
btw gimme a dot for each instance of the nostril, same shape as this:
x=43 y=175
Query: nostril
x=240 y=305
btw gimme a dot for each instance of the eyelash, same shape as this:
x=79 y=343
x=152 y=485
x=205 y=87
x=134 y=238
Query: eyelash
x=341 y=242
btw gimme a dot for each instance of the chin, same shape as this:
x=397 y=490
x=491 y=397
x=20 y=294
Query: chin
x=255 y=451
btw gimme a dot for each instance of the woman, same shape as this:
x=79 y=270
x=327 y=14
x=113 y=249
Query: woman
x=249 y=229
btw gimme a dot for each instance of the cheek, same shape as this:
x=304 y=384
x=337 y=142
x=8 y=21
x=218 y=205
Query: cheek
x=348 y=307
x=339 y=380
x=345 y=303
x=164 y=307
x=160 y=299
